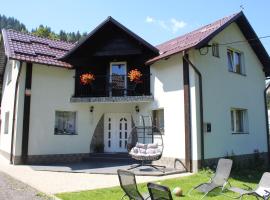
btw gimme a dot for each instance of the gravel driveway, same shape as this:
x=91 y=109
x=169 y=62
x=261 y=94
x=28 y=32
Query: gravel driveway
x=11 y=189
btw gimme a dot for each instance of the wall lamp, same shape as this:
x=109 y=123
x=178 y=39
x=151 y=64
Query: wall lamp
x=92 y=109
x=137 y=108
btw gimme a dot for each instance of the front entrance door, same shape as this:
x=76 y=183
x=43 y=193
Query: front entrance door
x=117 y=127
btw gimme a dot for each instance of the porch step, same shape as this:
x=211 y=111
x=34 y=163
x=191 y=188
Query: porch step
x=110 y=157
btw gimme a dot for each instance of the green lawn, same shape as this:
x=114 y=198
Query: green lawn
x=250 y=178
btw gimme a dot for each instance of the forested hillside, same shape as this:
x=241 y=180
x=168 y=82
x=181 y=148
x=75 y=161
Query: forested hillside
x=42 y=31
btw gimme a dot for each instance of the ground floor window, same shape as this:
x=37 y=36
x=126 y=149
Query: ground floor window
x=65 y=123
x=6 y=128
x=158 y=119
x=239 y=121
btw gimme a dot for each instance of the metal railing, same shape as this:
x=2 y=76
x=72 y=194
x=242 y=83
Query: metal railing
x=113 y=85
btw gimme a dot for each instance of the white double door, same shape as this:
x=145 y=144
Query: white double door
x=117 y=127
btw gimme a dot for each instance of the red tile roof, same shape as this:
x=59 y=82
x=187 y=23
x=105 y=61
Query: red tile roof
x=31 y=48
x=189 y=40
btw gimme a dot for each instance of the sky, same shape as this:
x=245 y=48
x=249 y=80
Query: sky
x=154 y=20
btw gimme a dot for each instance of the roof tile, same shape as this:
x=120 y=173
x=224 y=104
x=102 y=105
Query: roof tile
x=31 y=48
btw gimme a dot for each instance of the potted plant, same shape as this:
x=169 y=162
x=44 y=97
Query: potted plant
x=87 y=78
x=135 y=76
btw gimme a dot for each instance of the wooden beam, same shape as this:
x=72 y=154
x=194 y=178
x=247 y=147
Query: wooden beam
x=187 y=114
x=26 y=112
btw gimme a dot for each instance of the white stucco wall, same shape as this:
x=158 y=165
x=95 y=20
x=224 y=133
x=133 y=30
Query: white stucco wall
x=167 y=88
x=223 y=90
x=52 y=88
x=7 y=103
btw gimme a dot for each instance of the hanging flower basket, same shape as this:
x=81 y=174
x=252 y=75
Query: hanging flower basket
x=87 y=78
x=135 y=76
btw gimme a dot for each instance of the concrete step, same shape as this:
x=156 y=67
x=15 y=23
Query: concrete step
x=110 y=157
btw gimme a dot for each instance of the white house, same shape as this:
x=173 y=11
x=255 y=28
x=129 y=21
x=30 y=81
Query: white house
x=205 y=89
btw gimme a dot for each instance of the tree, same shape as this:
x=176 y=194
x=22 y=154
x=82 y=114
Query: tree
x=42 y=31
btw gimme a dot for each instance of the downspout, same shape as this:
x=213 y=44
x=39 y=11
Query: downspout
x=14 y=112
x=267 y=121
x=201 y=104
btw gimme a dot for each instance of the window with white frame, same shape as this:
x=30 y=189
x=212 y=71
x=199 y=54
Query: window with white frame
x=239 y=121
x=235 y=61
x=6 y=128
x=215 y=49
x=65 y=123
x=158 y=119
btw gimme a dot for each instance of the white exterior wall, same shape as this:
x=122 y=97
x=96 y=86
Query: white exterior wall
x=167 y=88
x=223 y=90
x=8 y=94
x=52 y=89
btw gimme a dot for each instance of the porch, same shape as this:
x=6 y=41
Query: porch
x=105 y=163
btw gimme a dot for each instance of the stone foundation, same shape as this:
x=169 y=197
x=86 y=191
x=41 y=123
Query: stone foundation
x=240 y=161
x=56 y=158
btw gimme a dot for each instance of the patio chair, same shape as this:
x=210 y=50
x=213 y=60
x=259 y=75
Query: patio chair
x=219 y=180
x=129 y=186
x=261 y=191
x=159 y=192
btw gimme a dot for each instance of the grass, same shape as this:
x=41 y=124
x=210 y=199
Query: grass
x=250 y=178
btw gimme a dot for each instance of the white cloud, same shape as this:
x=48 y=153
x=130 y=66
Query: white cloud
x=149 y=19
x=176 y=25
x=172 y=25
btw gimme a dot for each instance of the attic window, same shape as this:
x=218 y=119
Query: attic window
x=215 y=50
x=235 y=61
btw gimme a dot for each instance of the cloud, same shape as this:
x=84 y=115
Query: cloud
x=149 y=19
x=176 y=25
x=172 y=25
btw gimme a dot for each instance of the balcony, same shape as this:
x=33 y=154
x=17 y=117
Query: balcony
x=113 y=88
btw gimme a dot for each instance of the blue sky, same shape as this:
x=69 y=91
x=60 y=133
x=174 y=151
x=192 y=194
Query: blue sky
x=154 y=20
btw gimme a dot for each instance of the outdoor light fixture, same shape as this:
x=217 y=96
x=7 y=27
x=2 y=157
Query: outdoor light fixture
x=91 y=109
x=137 y=108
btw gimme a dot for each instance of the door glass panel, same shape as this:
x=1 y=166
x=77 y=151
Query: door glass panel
x=118 y=79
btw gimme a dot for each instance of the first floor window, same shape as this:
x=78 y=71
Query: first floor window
x=239 y=121
x=6 y=128
x=65 y=123
x=158 y=119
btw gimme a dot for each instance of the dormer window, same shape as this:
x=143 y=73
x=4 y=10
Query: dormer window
x=235 y=61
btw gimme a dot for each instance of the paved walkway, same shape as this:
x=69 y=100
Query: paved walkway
x=11 y=189
x=57 y=182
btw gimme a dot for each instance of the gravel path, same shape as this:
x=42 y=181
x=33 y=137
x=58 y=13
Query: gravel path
x=11 y=189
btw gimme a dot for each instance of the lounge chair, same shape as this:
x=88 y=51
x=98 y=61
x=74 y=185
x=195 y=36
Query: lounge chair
x=261 y=191
x=159 y=192
x=219 y=180
x=128 y=184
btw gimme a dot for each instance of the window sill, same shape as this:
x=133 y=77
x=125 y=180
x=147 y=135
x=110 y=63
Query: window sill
x=240 y=133
x=237 y=73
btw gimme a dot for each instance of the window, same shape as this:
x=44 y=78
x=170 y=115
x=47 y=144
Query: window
x=6 y=128
x=65 y=123
x=9 y=72
x=239 y=121
x=158 y=119
x=215 y=49
x=235 y=61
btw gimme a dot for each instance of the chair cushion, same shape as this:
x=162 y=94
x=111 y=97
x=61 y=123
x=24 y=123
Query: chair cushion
x=152 y=146
x=141 y=145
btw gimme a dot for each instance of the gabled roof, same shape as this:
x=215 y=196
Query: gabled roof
x=201 y=37
x=120 y=26
x=31 y=48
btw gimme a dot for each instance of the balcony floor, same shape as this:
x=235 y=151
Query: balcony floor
x=118 y=99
